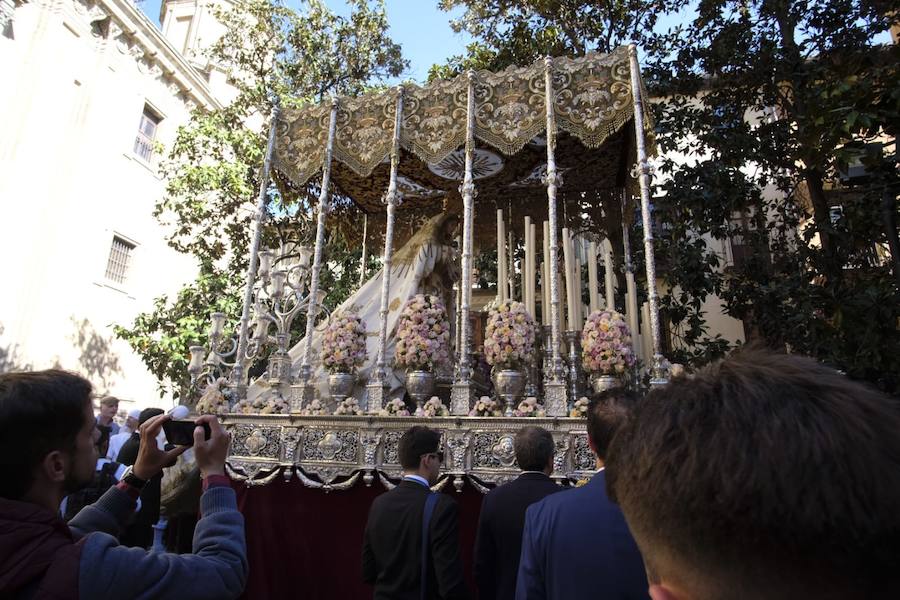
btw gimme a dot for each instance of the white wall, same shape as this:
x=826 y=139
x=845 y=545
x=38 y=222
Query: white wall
x=69 y=181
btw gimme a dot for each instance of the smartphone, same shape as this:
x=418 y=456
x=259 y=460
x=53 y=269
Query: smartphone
x=181 y=433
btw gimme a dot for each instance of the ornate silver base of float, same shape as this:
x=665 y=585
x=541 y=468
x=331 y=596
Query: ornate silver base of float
x=333 y=453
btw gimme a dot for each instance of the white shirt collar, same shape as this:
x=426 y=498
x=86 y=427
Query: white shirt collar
x=417 y=478
x=536 y=472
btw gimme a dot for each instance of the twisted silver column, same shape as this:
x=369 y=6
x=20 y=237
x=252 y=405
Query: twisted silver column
x=375 y=388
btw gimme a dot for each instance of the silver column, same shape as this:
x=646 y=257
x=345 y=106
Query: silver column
x=375 y=389
x=306 y=391
x=238 y=373
x=462 y=391
x=555 y=386
x=658 y=374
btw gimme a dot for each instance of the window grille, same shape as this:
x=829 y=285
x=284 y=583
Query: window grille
x=119 y=260
x=143 y=142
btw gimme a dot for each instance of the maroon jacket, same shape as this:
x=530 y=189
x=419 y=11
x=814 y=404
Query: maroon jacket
x=38 y=556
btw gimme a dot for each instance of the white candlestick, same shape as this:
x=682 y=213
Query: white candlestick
x=501 y=256
x=579 y=303
x=526 y=268
x=511 y=265
x=593 y=291
x=534 y=263
x=608 y=265
x=570 y=282
x=545 y=282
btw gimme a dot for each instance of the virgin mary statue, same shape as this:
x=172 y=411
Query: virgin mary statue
x=426 y=264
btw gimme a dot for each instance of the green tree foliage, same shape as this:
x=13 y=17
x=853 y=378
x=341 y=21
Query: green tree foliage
x=212 y=170
x=765 y=103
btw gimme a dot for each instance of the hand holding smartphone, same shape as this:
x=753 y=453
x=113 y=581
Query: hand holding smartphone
x=181 y=433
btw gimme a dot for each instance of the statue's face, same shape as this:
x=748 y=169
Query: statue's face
x=451 y=228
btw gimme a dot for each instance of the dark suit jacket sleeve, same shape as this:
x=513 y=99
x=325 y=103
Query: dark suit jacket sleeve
x=530 y=581
x=485 y=555
x=445 y=551
x=369 y=569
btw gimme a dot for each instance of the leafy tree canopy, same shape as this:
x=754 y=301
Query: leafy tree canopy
x=212 y=170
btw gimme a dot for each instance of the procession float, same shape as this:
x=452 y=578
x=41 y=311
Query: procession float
x=485 y=160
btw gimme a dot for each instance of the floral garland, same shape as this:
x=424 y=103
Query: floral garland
x=486 y=407
x=606 y=344
x=213 y=401
x=579 y=409
x=509 y=340
x=530 y=407
x=394 y=408
x=423 y=334
x=344 y=344
x=271 y=404
x=314 y=408
x=348 y=406
x=433 y=408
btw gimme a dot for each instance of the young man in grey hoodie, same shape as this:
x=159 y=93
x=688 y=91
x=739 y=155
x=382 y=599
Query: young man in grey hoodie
x=47 y=430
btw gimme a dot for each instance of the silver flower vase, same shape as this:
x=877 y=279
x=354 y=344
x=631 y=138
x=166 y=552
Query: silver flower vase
x=509 y=384
x=420 y=385
x=601 y=383
x=340 y=385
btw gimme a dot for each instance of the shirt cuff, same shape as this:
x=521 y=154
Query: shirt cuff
x=216 y=481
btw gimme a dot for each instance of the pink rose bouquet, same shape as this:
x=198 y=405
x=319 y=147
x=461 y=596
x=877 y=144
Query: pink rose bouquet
x=530 y=407
x=314 y=408
x=433 y=408
x=606 y=344
x=509 y=340
x=394 y=408
x=349 y=406
x=486 y=407
x=344 y=344
x=423 y=334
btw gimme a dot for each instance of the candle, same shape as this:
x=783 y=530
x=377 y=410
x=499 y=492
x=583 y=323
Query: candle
x=579 y=303
x=501 y=256
x=526 y=270
x=608 y=266
x=593 y=291
x=533 y=237
x=511 y=266
x=545 y=282
x=569 y=267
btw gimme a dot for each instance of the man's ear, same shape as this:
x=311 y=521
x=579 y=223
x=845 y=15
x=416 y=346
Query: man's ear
x=54 y=466
x=661 y=592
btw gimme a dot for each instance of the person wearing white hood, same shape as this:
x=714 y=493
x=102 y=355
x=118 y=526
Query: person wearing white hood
x=116 y=441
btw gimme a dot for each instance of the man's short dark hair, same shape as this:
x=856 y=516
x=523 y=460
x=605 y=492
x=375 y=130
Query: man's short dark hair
x=149 y=413
x=607 y=412
x=40 y=412
x=765 y=473
x=417 y=440
x=534 y=448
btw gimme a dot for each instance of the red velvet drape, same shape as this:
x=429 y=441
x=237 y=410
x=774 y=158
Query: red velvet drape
x=303 y=543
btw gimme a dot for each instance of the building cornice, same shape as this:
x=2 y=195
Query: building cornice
x=133 y=34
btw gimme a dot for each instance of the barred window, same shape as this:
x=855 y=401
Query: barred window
x=143 y=143
x=119 y=260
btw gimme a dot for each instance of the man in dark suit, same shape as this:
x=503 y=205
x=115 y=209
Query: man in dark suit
x=392 y=556
x=576 y=544
x=499 y=540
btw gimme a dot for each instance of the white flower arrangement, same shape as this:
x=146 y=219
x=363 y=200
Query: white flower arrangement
x=314 y=408
x=433 y=408
x=394 y=408
x=530 y=407
x=606 y=344
x=423 y=334
x=348 y=406
x=579 y=409
x=486 y=407
x=344 y=344
x=269 y=402
x=509 y=336
x=213 y=401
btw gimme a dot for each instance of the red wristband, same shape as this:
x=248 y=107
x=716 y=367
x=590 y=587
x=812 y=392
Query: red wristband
x=216 y=481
